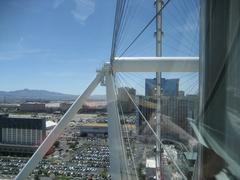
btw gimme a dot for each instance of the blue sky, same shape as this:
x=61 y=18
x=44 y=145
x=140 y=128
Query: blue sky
x=57 y=45
x=53 y=45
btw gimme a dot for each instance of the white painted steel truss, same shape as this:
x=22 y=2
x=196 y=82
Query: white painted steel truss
x=118 y=169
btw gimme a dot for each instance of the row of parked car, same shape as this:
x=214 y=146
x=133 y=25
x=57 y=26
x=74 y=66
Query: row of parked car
x=88 y=159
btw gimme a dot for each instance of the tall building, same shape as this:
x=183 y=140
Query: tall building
x=170 y=87
x=147 y=106
x=21 y=134
x=124 y=100
x=176 y=112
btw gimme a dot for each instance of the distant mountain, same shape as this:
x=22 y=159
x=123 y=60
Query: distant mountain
x=43 y=95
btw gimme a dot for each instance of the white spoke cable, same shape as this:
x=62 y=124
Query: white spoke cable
x=119 y=125
x=162 y=145
x=129 y=144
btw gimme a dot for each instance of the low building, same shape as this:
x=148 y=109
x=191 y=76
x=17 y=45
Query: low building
x=64 y=106
x=93 y=129
x=21 y=134
x=125 y=103
x=181 y=93
x=151 y=168
x=32 y=107
x=50 y=125
x=8 y=107
x=175 y=113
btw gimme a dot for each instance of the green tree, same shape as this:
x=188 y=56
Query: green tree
x=104 y=173
x=56 y=144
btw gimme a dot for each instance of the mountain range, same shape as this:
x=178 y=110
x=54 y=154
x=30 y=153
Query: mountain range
x=43 y=95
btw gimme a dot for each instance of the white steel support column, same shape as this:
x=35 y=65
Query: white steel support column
x=58 y=129
x=158 y=83
x=118 y=169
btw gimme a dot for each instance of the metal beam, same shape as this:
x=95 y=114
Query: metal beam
x=118 y=169
x=58 y=129
x=156 y=64
x=158 y=4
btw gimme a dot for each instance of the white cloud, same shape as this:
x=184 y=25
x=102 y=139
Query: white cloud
x=61 y=74
x=15 y=54
x=83 y=9
x=57 y=3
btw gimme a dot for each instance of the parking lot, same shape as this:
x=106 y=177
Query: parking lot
x=89 y=159
x=74 y=157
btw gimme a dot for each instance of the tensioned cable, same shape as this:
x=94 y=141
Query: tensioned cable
x=137 y=83
x=143 y=49
x=142 y=31
x=121 y=136
x=154 y=133
x=181 y=18
x=180 y=171
x=134 y=9
x=196 y=24
x=153 y=18
x=117 y=23
x=129 y=144
x=125 y=81
x=193 y=85
x=186 y=36
x=191 y=80
x=192 y=18
x=188 y=79
x=181 y=46
x=175 y=7
x=176 y=50
x=122 y=22
x=114 y=29
x=187 y=7
x=185 y=44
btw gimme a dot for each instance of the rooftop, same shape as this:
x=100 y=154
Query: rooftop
x=94 y=124
x=151 y=163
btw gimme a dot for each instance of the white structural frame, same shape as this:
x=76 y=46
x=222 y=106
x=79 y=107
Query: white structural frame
x=118 y=166
x=125 y=64
x=158 y=4
x=156 y=64
x=58 y=129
